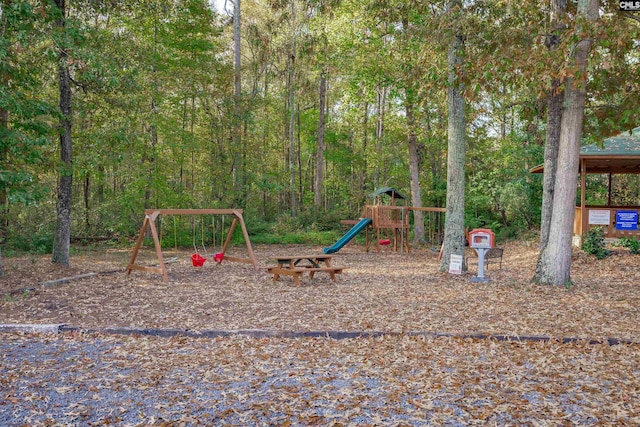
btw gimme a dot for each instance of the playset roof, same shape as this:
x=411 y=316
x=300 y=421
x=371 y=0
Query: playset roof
x=389 y=191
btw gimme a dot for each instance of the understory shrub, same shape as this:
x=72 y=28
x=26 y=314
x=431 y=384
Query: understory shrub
x=593 y=243
x=631 y=243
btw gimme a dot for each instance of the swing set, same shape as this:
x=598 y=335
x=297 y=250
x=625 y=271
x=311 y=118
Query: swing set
x=198 y=260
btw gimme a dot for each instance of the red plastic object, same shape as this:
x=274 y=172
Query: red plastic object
x=218 y=257
x=384 y=242
x=197 y=260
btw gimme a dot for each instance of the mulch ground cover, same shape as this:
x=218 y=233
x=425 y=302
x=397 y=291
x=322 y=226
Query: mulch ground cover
x=424 y=371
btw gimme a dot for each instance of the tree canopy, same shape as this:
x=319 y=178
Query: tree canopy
x=157 y=121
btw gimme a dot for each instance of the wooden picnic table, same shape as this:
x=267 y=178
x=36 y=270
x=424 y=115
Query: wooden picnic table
x=297 y=265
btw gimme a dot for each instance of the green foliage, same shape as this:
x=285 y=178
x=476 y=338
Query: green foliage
x=631 y=243
x=154 y=111
x=285 y=224
x=593 y=243
x=302 y=237
x=36 y=243
x=23 y=134
x=306 y=229
x=501 y=192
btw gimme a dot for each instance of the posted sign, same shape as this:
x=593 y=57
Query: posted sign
x=626 y=220
x=455 y=264
x=599 y=217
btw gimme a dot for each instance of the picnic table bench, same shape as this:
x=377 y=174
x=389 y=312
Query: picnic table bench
x=297 y=265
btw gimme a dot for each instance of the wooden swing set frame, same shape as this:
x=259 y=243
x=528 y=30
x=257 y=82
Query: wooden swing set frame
x=150 y=216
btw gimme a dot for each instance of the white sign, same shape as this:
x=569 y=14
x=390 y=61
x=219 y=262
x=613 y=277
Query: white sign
x=599 y=217
x=455 y=264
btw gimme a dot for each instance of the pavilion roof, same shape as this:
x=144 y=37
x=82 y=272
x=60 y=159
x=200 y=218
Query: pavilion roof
x=618 y=154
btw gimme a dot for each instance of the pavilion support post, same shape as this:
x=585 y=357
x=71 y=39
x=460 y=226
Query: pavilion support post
x=583 y=191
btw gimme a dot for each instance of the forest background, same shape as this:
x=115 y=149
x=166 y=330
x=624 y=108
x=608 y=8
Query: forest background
x=327 y=101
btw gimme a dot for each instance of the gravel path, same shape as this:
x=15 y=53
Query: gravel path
x=74 y=379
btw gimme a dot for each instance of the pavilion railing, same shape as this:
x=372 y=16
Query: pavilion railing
x=604 y=217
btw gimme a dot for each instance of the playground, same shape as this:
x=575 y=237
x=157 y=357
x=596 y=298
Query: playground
x=386 y=292
x=391 y=341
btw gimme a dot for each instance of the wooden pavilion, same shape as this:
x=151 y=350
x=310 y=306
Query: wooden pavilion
x=618 y=155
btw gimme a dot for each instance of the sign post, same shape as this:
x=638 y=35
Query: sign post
x=481 y=242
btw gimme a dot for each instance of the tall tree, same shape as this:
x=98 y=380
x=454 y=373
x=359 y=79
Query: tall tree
x=292 y=112
x=414 y=168
x=62 y=238
x=317 y=188
x=382 y=93
x=454 y=220
x=238 y=167
x=24 y=118
x=412 y=138
x=554 y=264
x=150 y=153
x=4 y=121
x=555 y=97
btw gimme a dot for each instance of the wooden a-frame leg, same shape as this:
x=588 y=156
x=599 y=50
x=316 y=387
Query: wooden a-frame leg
x=134 y=254
x=156 y=243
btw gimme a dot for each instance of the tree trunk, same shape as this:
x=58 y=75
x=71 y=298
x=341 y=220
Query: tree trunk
x=62 y=238
x=382 y=100
x=554 y=264
x=414 y=170
x=554 y=116
x=362 y=174
x=4 y=129
x=552 y=142
x=238 y=169
x=151 y=158
x=292 y=116
x=153 y=130
x=454 y=220
x=301 y=187
x=87 y=202
x=317 y=188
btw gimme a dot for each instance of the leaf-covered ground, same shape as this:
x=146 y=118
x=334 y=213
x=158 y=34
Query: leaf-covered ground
x=377 y=292
x=101 y=379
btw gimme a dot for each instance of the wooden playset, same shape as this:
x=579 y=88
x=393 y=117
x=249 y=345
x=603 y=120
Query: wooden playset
x=390 y=223
x=391 y=226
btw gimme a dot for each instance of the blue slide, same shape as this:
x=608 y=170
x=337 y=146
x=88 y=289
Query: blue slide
x=361 y=225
